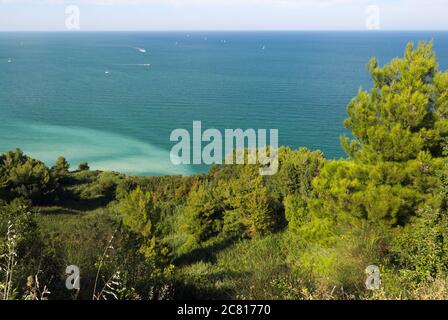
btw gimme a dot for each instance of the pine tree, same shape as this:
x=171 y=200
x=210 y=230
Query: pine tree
x=405 y=112
x=61 y=167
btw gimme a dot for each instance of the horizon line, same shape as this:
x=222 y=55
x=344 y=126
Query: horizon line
x=233 y=30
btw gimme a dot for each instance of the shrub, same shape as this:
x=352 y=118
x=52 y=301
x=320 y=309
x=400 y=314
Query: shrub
x=203 y=214
x=141 y=217
x=61 y=167
x=25 y=178
x=84 y=166
x=247 y=204
x=419 y=251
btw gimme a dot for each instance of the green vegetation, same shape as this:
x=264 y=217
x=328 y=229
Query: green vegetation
x=308 y=232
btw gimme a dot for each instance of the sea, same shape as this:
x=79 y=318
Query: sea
x=112 y=99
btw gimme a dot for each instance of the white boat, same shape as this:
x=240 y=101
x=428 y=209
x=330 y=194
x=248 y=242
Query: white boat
x=141 y=50
x=9 y=60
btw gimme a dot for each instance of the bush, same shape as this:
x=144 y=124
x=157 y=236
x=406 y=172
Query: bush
x=247 y=204
x=25 y=178
x=84 y=166
x=61 y=167
x=21 y=242
x=419 y=251
x=203 y=214
x=141 y=217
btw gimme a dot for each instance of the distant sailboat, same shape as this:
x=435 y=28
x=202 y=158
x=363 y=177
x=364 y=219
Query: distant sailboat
x=263 y=47
x=9 y=60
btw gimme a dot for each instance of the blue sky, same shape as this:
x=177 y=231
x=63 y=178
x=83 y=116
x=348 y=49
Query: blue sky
x=40 y=15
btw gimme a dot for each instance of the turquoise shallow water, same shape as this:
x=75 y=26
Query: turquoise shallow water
x=57 y=99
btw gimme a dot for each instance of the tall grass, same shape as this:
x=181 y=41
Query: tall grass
x=246 y=269
x=10 y=262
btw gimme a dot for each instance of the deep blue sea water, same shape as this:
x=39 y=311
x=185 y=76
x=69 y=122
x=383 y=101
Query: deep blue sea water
x=92 y=96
